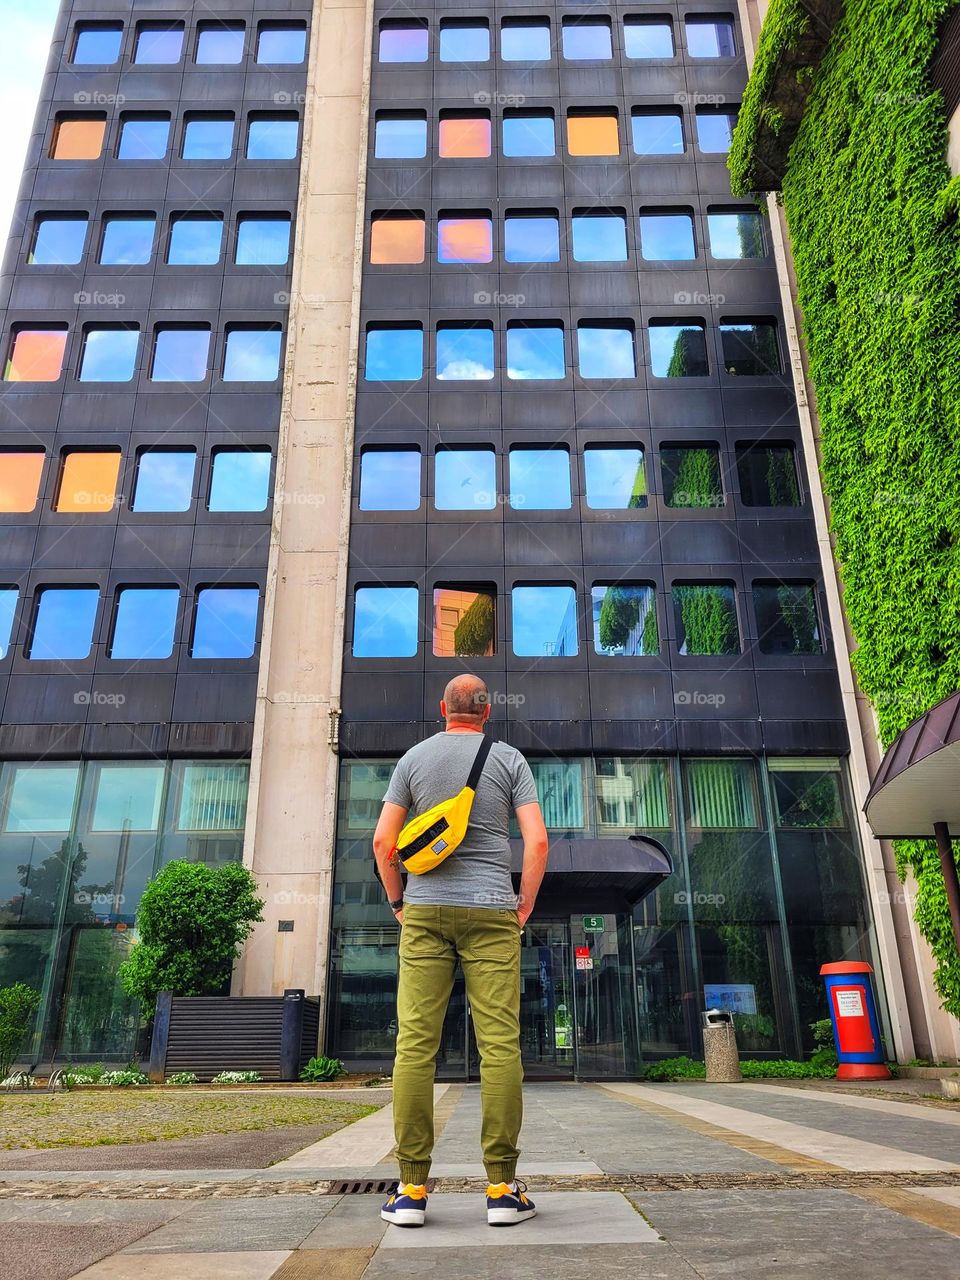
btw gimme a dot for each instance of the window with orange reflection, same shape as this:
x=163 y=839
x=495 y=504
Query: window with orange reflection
x=464 y=622
x=593 y=134
x=78 y=138
x=397 y=238
x=464 y=238
x=36 y=353
x=88 y=481
x=464 y=136
x=20 y=479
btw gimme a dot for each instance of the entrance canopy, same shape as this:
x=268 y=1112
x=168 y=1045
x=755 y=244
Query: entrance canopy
x=918 y=782
x=599 y=875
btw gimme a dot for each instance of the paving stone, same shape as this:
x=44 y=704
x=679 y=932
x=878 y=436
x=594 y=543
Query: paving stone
x=93 y=1213
x=326 y=1264
x=54 y=1251
x=354 y=1221
x=275 y=1223
x=522 y=1262
x=255 y=1265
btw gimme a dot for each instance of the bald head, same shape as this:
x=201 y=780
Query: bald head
x=465 y=701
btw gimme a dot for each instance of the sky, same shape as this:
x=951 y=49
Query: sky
x=27 y=30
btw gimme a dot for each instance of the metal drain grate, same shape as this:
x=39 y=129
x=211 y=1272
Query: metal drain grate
x=363 y=1186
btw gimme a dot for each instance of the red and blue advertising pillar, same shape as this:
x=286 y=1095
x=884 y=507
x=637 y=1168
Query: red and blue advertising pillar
x=856 y=1027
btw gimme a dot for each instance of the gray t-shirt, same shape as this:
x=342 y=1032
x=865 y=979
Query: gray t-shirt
x=477 y=873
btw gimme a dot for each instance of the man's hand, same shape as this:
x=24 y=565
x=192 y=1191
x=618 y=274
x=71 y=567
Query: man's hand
x=399 y=915
x=535 y=848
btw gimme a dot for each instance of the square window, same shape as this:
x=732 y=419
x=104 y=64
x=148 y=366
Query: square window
x=625 y=619
x=8 y=610
x=195 y=240
x=58 y=240
x=599 y=237
x=467 y=238
x=464 y=42
x=397 y=239
x=616 y=477
x=88 y=481
x=225 y=622
x=736 y=233
x=544 y=621
x=667 y=237
x=78 y=137
x=464 y=136
x=678 y=350
x=787 y=621
x=239 y=480
x=394 y=353
x=180 y=353
x=529 y=133
x=143 y=137
x=531 y=237
x=20 y=472
x=252 y=353
x=164 y=480
x=282 y=42
x=525 y=40
x=750 y=348
x=109 y=353
x=593 y=133
x=97 y=44
x=220 y=43
x=400 y=135
x=657 y=133
x=710 y=37
x=464 y=352
x=648 y=38
x=705 y=616
x=36 y=353
x=144 y=623
x=539 y=479
x=606 y=351
x=715 y=130
x=386 y=622
x=691 y=476
x=41 y=798
x=127 y=240
x=404 y=42
x=273 y=137
x=63 y=623
x=720 y=795
x=263 y=240
x=768 y=475
x=587 y=38
x=128 y=797
x=806 y=796
x=208 y=137
x=390 y=480
x=465 y=479
x=158 y=43
x=464 y=622
x=535 y=351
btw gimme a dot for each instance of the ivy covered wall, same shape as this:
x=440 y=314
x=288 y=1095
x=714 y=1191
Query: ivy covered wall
x=873 y=220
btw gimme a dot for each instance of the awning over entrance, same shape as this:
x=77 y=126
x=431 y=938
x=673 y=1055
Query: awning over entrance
x=918 y=782
x=599 y=875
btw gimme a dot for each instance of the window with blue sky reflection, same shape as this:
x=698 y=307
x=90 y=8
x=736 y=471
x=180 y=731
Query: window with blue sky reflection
x=715 y=130
x=263 y=240
x=164 y=480
x=273 y=137
x=239 y=480
x=208 y=137
x=648 y=38
x=531 y=237
x=464 y=354
x=127 y=240
x=465 y=479
x=606 y=351
x=282 y=42
x=403 y=42
x=63 y=623
x=97 y=44
x=657 y=133
x=109 y=354
x=390 y=480
x=180 y=353
x=529 y=133
x=400 y=135
x=143 y=137
x=535 y=351
x=252 y=354
x=737 y=233
x=386 y=622
x=393 y=354
x=195 y=241
x=220 y=42
x=464 y=42
x=158 y=43
x=525 y=40
x=587 y=38
x=539 y=478
x=667 y=237
x=678 y=350
x=8 y=609
x=615 y=477
x=225 y=622
x=710 y=37
x=599 y=237
x=544 y=621
x=145 y=622
x=58 y=241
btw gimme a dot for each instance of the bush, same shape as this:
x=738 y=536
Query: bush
x=126 y=1078
x=91 y=1073
x=237 y=1077
x=182 y=1077
x=18 y=1005
x=682 y=1068
x=322 y=1068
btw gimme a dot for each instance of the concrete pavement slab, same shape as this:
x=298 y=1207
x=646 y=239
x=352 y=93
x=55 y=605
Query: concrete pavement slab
x=93 y=1213
x=226 y=1225
x=522 y=1262
x=529 y=1167
x=57 y=1251
x=353 y=1221
x=326 y=1264
x=254 y=1265
x=364 y=1142
x=563 y=1217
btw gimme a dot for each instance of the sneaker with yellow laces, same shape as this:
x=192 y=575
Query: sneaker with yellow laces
x=406 y=1206
x=508 y=1204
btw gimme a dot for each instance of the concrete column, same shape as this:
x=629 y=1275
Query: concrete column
x=291 y=816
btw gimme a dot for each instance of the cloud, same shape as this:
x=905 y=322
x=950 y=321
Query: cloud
x=27 y=34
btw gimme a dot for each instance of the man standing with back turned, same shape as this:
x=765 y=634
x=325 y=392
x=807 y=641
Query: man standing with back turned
x=464 y=909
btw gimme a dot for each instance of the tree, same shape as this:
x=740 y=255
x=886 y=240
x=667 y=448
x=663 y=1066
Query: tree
x=192 y=920
x=474 y=635
x=619 y=614
x=18 y=1004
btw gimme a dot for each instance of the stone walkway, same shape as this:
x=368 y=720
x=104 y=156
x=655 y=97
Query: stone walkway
x=670 y=1182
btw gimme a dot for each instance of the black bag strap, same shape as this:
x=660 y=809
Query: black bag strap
x=479 y=760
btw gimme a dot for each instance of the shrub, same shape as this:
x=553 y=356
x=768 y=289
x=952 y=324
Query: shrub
x=18 y=1005
x=237 y=1077
x=182 y=1077
x=322 y=1068
x=126 y=1078
x=682 y=1068
x=89 y=1073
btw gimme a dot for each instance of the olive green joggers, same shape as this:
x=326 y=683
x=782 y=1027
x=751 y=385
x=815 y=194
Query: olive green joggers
x=487 y=942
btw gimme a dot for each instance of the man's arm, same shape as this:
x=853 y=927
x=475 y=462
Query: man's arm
x=535 y=849
x=392 y=818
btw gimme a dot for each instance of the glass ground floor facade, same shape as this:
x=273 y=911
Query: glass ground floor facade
x=767 y=885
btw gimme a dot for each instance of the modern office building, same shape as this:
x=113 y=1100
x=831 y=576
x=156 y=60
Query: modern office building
x=349 y=348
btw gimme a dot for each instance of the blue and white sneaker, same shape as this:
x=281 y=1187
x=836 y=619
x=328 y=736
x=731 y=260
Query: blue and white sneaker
x=406 y=1206
x=508 y=1204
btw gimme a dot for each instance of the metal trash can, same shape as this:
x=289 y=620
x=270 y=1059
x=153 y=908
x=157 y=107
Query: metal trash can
x=720 y=1047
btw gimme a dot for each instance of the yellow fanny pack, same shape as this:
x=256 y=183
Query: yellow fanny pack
x=427 y=840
